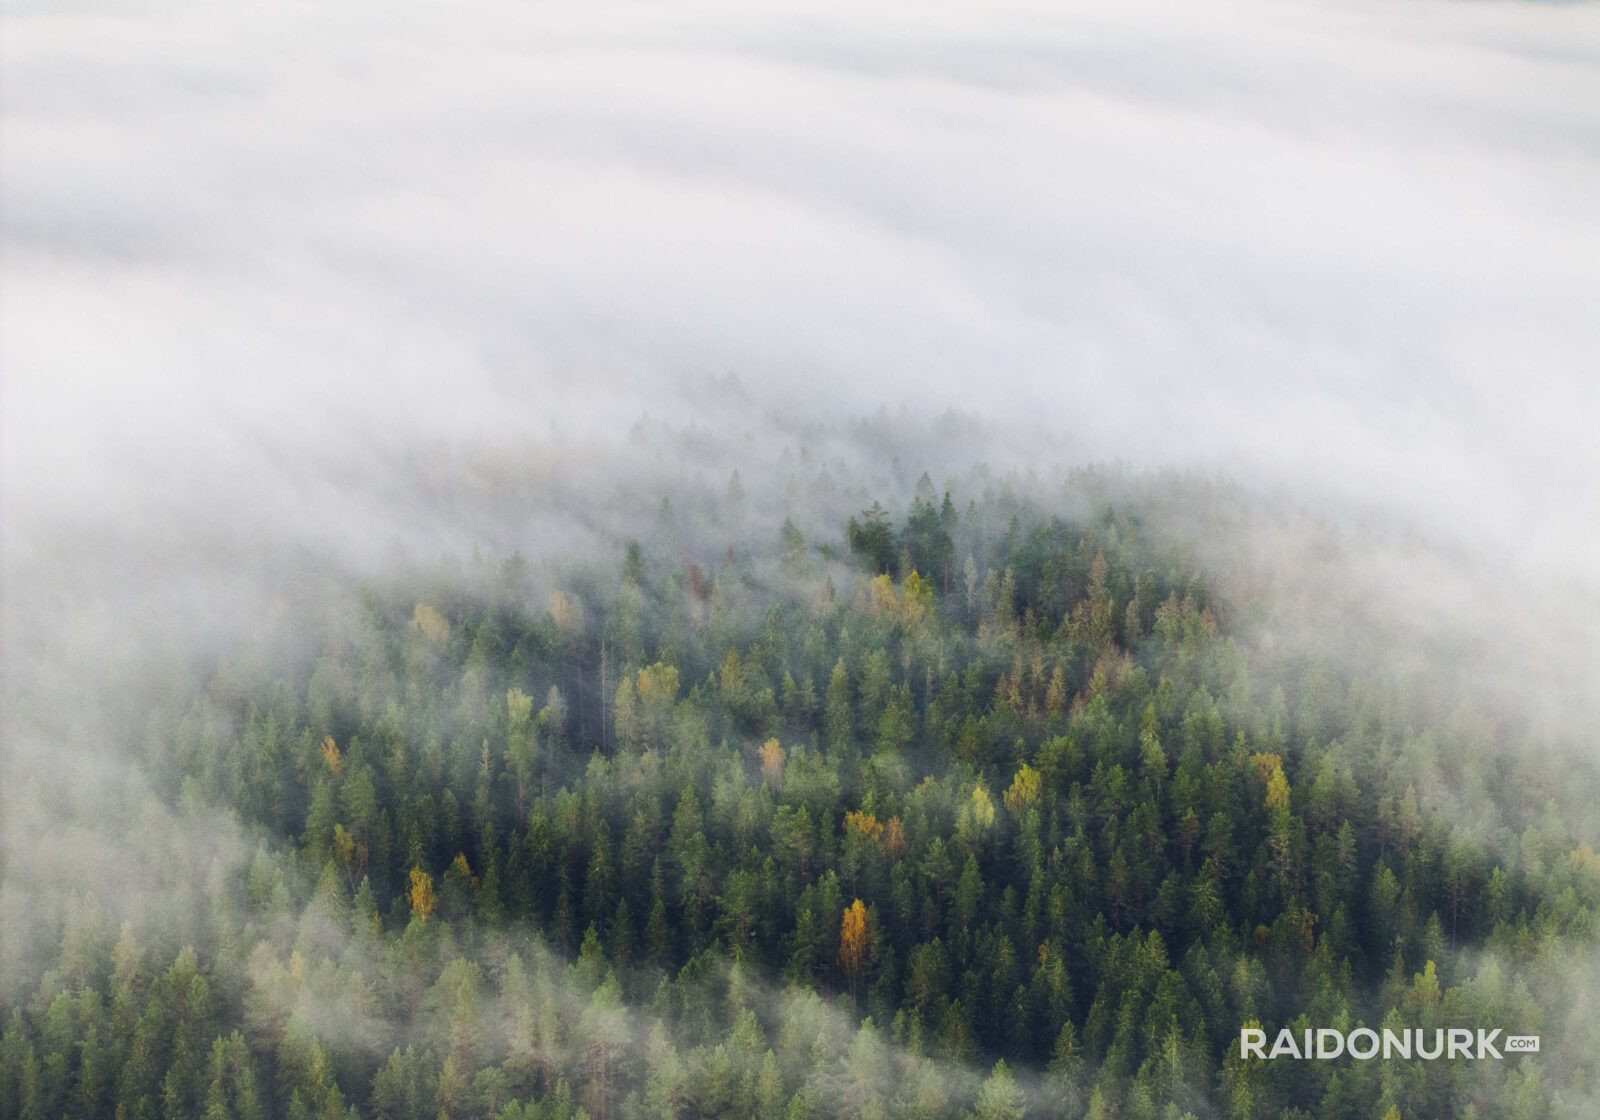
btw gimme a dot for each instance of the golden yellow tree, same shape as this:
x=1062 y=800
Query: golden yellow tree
x=351 y=854
x=331 y=756
x=773 y=757
x=565 y=612
x=432 y=624
x=977 y=815
x=894 y=838
x=1269 y=768
x=917 y=600
x=1265 y=764
x=422 y=896
x=884 y=600
x=1027 y=789
x=1277 y=791
x=658 y=686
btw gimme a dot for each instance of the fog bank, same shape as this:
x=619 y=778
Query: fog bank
x=258 y=262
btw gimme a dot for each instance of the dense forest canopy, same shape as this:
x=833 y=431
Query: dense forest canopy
x=965 y=804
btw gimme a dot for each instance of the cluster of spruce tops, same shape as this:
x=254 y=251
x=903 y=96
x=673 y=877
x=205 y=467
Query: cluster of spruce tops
x=971 y=810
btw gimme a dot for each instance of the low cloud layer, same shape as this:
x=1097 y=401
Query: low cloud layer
x=259 y=259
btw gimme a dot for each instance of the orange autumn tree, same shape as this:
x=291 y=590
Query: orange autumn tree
x=865 y=825
x=855 y=939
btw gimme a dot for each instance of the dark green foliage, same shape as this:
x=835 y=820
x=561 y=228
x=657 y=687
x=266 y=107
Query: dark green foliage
x=1093 y=834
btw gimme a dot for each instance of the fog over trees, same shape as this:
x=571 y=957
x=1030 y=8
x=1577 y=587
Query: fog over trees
x=868 y=561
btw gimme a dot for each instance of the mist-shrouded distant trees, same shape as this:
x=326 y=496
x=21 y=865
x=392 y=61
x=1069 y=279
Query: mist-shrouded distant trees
x=1001 y=816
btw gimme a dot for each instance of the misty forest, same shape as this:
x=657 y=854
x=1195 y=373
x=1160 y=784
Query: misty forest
x=862 y=559
x=960 y=807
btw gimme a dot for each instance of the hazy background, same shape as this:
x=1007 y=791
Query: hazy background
x=253 y=254
x=332 y=280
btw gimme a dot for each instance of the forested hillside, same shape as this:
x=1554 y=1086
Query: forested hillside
x=960 y=808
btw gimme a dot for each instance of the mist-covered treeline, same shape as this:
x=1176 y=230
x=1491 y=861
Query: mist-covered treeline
x=406 y=709
x=962 y=806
